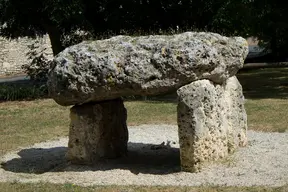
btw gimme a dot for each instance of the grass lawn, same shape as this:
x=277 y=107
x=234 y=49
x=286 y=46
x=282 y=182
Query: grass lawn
x=26 y=122
x=266 y=91
x=41 y=187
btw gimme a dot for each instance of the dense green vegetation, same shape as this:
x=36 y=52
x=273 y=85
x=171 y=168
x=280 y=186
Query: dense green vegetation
x=102 y=18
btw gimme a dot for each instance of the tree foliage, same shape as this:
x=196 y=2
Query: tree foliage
x=271 y=25
x=35 y=18
x=265 y=19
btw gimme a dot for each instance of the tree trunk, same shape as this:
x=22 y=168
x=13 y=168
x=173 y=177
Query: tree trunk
x=55 y=38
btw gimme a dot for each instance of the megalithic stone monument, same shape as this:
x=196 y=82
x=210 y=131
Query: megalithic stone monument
x=94 y=75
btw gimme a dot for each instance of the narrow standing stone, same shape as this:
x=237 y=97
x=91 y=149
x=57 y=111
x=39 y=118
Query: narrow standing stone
x=97 y=130
x=211 y=120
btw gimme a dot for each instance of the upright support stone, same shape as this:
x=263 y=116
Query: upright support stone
x=212 y=122
x=235 y=114
x=97 y=130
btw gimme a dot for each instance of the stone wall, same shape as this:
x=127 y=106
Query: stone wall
x=13 y=53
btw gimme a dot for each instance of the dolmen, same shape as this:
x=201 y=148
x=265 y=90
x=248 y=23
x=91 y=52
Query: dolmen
x=93 y=76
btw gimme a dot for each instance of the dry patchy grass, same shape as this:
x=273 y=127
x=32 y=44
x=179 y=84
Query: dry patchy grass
x=266 y=91
x=269 y=115
x=270 y=83
x=26 y=122
x=151 y=112
x=41 y=187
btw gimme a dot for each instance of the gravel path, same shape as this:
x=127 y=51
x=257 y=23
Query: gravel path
x=263 y=162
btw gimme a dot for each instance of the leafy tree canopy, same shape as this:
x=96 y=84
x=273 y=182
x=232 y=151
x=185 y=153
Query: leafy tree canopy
x=266 y=19
x=33 y=18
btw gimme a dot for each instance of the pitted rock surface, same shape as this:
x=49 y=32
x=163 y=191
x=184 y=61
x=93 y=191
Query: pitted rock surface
x=212 y=122
x=146 y=65
x=97 y=131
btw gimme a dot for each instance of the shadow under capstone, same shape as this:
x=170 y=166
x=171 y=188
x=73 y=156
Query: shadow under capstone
x=141 y=158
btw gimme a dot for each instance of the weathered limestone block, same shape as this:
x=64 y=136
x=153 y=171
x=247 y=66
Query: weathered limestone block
x=97 y=130
x=212 y=122
x=146 y=65
x=235 y=114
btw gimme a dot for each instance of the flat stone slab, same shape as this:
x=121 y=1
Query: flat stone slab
x=146 y=65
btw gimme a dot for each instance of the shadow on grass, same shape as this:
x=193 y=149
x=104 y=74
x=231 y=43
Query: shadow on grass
x=20 y=90
x=265 y=83
x=141 y=158
x=257 y=84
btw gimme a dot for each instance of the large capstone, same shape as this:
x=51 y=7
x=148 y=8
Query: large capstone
x=212 y=122
x=147 y=65
x=97 y=131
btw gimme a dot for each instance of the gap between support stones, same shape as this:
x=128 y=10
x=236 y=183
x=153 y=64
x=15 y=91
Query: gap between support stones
x=212 y=123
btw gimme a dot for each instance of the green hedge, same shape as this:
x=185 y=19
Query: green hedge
x=22 y=91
